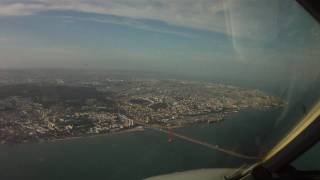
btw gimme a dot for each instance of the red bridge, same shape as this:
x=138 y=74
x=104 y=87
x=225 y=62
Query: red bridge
x=172 y=134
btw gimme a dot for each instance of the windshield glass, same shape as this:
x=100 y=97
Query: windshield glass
x=125 y=89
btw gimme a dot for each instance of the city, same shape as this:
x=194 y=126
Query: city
x=36 y=108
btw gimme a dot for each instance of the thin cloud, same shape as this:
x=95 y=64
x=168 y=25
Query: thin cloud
x=127 y=22
x=254 y=20
x=20 y=9
x=201 y=14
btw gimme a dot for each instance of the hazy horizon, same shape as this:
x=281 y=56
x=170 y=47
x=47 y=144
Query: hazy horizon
x=240 y=40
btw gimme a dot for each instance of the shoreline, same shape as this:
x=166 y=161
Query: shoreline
x=136 y=129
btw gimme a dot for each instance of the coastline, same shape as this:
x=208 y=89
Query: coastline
x=136 y=129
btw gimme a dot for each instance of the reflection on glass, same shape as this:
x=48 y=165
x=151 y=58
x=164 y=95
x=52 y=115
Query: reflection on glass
x=131 y=89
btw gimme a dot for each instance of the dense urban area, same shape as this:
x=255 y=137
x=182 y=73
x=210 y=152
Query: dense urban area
x=49 y=105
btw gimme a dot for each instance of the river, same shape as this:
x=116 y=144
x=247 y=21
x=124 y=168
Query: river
x=140 y=154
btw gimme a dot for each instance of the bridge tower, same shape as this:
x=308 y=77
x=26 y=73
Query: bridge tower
x=170 y=135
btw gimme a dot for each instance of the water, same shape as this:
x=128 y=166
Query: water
x=137 y=155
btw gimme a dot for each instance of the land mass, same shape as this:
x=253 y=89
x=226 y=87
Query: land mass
x=47 y=110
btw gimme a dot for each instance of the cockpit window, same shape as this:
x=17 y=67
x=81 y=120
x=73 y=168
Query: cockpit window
x=131 y=89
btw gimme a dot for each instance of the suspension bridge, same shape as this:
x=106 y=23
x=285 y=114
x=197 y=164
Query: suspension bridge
x=195 y=141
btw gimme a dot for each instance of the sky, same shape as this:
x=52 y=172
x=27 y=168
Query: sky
x=221 y=38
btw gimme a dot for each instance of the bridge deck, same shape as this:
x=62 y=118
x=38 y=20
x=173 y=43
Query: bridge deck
x=195 y=141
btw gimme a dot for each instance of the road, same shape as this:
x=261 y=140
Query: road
x=195 y=141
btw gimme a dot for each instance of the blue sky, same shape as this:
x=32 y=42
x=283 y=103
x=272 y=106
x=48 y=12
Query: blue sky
x=213 y=37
